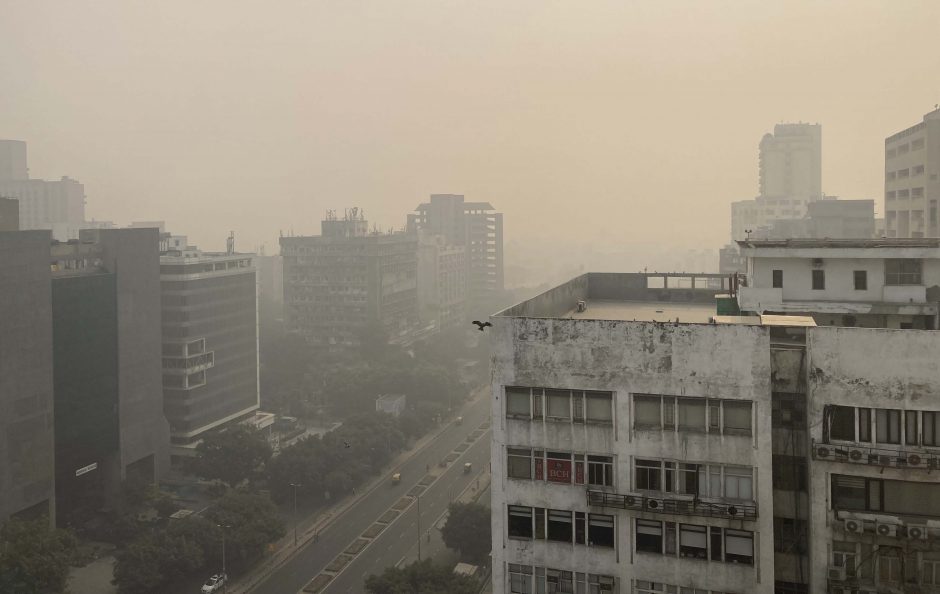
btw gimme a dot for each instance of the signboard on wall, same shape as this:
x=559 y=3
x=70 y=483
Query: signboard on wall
x=559 y=471
x=86 y=469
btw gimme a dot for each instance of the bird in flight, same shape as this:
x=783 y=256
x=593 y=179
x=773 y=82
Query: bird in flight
x=346 y=444
x=481 y=325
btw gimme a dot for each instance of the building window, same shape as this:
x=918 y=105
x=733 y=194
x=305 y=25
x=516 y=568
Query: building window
x=599 y=407
x=888 y=426
x=903 y=272
x=777 y=279
x=517 y=403
x=520 y=522
x=819 y=280
x=728 y=417
x=917 y=144
x=702 y=480
x=917 y=192
x=560 y=528
x=931 y=428
x=693 y=541
x=519 y=463
x=649 y=475
x=558 y=467
x=789 y=410
x=842 y=423
x=600 y=470
x=739 y=546
x=600 y=530
x=649 y=536
x=861 y=280
x=520 y=579
x=559 y=405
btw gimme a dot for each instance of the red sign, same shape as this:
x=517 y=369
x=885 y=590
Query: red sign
x=579 y=473
x=559 y=471
x=538 y=469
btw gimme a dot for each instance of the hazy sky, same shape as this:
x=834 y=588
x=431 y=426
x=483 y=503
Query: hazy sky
x=637 y=121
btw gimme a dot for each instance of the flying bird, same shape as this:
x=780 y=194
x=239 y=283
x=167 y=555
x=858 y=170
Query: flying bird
x=346 y=444
x=481 y=325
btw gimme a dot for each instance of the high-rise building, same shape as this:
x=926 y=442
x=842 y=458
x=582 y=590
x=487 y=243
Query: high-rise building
x=347 y=281
x=474 y=225
x=644 y=445
x=210 y=339
x=442 y=280
x=27 y=478
x=912 y=180
x=790 y=166
x=55 y=205
x=109 y=422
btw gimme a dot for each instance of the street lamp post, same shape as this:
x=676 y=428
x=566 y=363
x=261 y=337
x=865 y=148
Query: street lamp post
x=224 y=574
x=296 y=519
x=419 y=527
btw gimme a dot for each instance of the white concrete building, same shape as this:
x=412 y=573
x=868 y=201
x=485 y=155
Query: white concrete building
x=912 y=179
x=881 y=283
x=55 y=205
x=631 y=441
x=643 y=445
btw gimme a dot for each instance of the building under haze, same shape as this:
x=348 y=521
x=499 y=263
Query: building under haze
x=210 y=339
x=442 y=281
x=348 y=283
x=81 y=392
x=643 y=444
x=912 y=180
x=873 y=283
x=473 y=225
x=790 y=177
x=9 y=214
x=55 y=205
x=27 y=440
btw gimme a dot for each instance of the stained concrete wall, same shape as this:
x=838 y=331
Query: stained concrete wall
x=862 y=367
x=26 y=389
x=731 y=362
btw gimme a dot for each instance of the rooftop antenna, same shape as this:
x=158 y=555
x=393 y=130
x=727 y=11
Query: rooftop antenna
x=230 y=243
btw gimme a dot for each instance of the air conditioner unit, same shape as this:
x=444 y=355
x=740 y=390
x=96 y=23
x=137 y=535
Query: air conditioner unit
x=855 y=455
x=914 y=460
x=836 y=574
x=888 y=530
x=653 y=504
x=817 y=262
x=916 y=531
x=823 y=452
x=856 y=526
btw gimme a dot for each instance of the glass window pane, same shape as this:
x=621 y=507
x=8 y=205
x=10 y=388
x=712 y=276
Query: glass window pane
x=737 y=416
x=600 y=406
x=691 y=414
x=517 y=402
x=842 y=423
x=646 y=410
x=559 y=403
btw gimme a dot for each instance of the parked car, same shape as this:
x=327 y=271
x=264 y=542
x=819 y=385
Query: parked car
x=214 y=584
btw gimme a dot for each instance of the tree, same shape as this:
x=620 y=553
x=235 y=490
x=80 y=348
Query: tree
x=250 y=521
x=421 y=577
x=34 y=558
x=468 y=530
x=154 y=559
x=232 y=456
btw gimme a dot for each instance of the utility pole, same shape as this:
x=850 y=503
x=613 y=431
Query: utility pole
x=296 y=519
x=419 y=527
x=224 y=574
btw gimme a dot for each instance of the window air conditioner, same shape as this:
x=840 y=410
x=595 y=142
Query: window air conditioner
x=917 y=531
x=836 y=574
x=887 y=530
x=822 y=452
x=856 y=526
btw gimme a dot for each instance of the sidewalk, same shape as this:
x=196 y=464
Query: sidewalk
x=284 y=549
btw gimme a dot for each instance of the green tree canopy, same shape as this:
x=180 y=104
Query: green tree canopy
x=232 y=456
x=34 y=558
x=421 y=577
x=468 y=530
x=250 y=521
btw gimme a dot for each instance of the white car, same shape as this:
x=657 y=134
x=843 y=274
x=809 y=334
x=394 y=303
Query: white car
x=214 y=584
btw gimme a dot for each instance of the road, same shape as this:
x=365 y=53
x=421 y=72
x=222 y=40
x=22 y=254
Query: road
x=393 y=543
x=312 y=558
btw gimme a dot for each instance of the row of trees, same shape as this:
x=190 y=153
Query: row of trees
x=421 y=577
x=177 y=548
x=34 y=558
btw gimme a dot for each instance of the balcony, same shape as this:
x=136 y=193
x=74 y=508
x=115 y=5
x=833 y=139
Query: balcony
x=673 y=505
x=855 y=453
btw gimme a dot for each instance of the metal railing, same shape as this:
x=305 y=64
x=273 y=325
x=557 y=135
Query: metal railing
x=858 y=453
x=670 y=505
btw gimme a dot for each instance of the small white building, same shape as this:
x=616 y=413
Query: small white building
x=878 y=283
x=392 y=404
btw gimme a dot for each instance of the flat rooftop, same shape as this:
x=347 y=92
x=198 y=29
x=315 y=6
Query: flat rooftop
x=645 y=311
x=899 y=242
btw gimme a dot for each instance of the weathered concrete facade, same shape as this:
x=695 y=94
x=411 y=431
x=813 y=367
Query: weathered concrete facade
x=613 y=369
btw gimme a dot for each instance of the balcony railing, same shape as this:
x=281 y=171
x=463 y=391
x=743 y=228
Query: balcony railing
x=671 y=505
x=857 y=453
